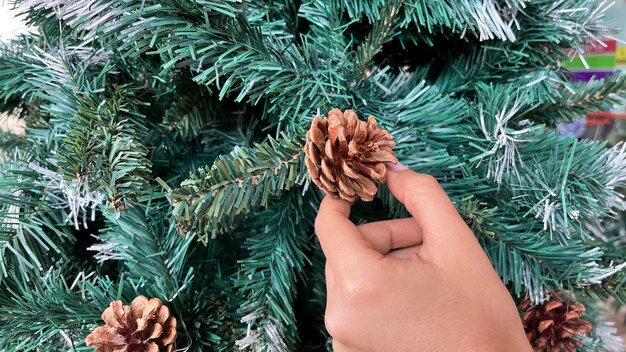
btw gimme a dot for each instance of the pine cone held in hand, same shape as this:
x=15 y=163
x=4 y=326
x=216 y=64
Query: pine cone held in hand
x=553 y=325
x=345 y=155
x=144 y=326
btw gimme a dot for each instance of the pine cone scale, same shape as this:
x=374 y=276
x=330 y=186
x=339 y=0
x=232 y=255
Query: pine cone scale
x=113 y=315
x=349 y=171
x=544 y=325
x=551 y=305
x=163 y=314
x=312 y=169
x=380 y=155
x=157 y=330
x=317 y=134
x=327 y=184
x=346 y=187
x=330 y=152
x=366 y=185
x=167 y=339
x=105 y=334
x=142 y=325
x=151 y=307
x=328 y=172
x=152 y=347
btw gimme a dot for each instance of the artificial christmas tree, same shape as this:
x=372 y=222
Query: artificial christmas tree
x=164 y=156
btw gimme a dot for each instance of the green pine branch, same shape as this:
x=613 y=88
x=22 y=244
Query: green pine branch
x=268 y=276
x=484 y=20
x=104 y=149
x=228 y=53
x=526 y=258
x=582 y=98
x=498 y=131
x=414 y=110
x=97 y=137
x=382 y=32
x=571 y=199
x=143 y=239
x=277 y=16
x=31 y=76
x=195 y=129
x=9 y=140
x=55 y=310
x=33 y=230
x=317 y=288
x=535 y=58
x=86 y=17
x=247 y=178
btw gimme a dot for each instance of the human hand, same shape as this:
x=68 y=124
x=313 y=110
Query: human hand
x=416 y=284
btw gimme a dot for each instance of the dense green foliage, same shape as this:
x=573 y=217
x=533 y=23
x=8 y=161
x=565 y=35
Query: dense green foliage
x=162 y=155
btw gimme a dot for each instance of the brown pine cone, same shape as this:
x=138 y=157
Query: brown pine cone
x=144 y=326
x=553 y=325
x=345 y=155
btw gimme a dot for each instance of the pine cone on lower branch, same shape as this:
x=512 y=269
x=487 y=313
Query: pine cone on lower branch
x=346 y=156
x=553 y=326
x=144 y=326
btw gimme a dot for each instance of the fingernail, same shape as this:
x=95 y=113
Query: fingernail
x=397 y=167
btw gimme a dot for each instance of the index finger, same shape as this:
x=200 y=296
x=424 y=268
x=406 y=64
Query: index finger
x=343 y=244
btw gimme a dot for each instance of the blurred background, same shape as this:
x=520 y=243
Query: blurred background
x=10 y=26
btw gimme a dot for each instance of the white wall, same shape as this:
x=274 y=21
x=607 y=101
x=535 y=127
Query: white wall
x=10 y=24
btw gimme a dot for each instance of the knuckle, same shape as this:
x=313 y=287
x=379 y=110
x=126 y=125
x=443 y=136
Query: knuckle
x=358 y=290
x=421 y=184
x=426 y=181
x=335 y=324
x=340 y=324
x=318 y=224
